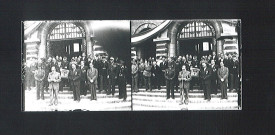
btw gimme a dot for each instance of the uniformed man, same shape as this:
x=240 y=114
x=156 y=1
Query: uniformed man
x=39 y=76
x=135 y=76
x=54 y=78
x=122 y=73
x=103 y=79
x=205 y=76
x=112 y=76
x=74 y=76
x=169 y=76
x=235 y=74
x=141 y=67
x=147 y=73
x=184 y=78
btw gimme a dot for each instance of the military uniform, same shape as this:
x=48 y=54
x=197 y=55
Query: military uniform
x=135 y=77
x=39 y=76
x=169 y=76
x=103 y=80
x=147 y=73
x=112 y=74
x=140 y=74
x=122 y=82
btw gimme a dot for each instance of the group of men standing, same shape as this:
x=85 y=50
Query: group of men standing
x=210 y=73
x=80 y=74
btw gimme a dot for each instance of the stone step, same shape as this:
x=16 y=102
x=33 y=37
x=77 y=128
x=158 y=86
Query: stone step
x=88 y=96
x=164 y=91
x=128 y=90
x=174 y=105
x=69 y=105
x=191 y=100
x=177 y=95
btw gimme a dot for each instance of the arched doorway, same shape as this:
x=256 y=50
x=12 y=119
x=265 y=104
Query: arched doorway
x=66 y=40
x=146 y=49
x=177 y=26
x=48 y=27
x=195 y=38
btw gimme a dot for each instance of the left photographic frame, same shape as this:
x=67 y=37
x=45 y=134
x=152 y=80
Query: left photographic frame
x=70 y=65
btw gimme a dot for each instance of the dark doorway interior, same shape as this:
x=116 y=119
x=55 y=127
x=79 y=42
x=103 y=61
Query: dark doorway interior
x=198 y=47
x=68 y=48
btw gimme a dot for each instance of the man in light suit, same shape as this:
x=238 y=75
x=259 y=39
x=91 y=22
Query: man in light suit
x=54 y=78
x=92 y=75
x=223 y=80
x=184 y=79
x=74 y=77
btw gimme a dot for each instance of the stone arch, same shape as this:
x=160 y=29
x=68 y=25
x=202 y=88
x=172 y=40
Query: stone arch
x=144 y=26
x=174 y=29
x=48 y=26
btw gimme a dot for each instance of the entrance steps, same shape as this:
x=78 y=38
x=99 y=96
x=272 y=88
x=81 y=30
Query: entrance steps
x=156 y=100
x=104 y=102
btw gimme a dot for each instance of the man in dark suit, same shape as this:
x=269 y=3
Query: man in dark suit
x=214 y=77
x=156 y=74
x=163 y=67
x=83 y=80
x=205 y=76
x=74 y=77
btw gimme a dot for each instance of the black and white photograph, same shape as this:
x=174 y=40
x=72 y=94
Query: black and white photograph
x=191 y=64
x=72 y=65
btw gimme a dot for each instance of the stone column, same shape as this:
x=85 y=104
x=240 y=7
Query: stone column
x=42 y=49
x=214 y=45
x=89 y=45
x=219 y=46
x=172 y=50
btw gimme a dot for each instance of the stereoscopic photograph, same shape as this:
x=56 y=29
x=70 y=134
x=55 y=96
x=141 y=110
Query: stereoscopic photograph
x=70 y=65
x=192 y=64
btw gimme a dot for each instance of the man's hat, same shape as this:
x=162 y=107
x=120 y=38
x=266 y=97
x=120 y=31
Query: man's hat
x=111 y=58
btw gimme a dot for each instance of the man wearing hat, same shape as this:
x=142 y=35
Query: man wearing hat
x=112 y=76
x=169 y=76
x=39 y=76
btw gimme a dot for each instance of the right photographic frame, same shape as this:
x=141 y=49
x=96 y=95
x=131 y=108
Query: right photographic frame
x=189 y=64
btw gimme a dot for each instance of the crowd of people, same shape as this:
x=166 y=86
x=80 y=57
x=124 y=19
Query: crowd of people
x=209 y=73
x=80 y=74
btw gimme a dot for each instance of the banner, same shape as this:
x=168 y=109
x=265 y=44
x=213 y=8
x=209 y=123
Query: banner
x=195 y=72
x=64 y=73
